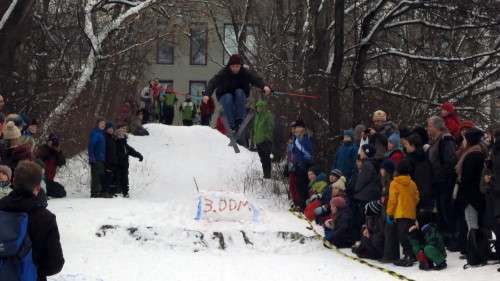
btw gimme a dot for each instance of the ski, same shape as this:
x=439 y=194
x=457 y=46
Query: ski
x=230 y=135
x=244 y=125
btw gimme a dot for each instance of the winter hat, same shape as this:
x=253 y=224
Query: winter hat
x=422 y=133
x=369 y=150
x=109 y=125
x=467 y=124
x=404 y=167
x=339 y=202
x=234 y=60
x=473 y=136
x=448 y=106
x=16 y=118
x=299 y=123
x=373 y=208
x=11 y=131
x=349 y=133
x=379 y=115
x=340 y=184
x=395 y=139
x=404 y=132
x=336 y=172
x=6 y=171
x=54 y=138
x=388 y=166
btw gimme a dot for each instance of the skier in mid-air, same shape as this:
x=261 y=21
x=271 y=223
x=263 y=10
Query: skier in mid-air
x=232 y=85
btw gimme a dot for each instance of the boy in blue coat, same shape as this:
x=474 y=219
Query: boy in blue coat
x=97 y=157
x=345 y=158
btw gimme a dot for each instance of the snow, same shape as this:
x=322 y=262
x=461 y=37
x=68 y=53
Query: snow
x=153 y=234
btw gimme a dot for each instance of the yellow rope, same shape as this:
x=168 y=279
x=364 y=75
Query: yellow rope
x=362 y=261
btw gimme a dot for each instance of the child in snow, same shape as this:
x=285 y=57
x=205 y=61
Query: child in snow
x=427 y=243
x=337 y=188
x=394 y=150
x=371 y=245
x=263 y=128
x=338 y=229
x=345 y=158
x=168 y=99
x=391 y=244
x=123 y=151
x=5 y=177
x=402 y=208
x=188 y=109
x=317 y=183
x=451 y=118
x=326 y=195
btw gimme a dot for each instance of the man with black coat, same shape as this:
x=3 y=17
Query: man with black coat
x=110 y=163
x=232 y=85
x=443 y=159
x=123 y=151
x=27 y=197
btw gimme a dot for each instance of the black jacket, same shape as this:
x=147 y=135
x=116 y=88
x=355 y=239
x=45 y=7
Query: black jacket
x=111 y=154
x=367 y=186
x=421 y=172
x=469 y=190
x=227 y=82
x=123 y=151
x=443 y=159
x=342 y=233
x=43 y=231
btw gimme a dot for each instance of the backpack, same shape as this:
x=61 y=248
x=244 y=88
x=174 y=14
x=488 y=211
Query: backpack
x=478 y=248
x=16 y=260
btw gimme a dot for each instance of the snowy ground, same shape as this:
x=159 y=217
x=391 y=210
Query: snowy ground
x=153 y=235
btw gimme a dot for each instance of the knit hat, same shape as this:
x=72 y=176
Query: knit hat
x=339 y=202
x=404 y=167
x=11 y=131
x=369 y=150
x=16 y=118
x=473 y=136
x=349 y=133
x=109 y=125
x=379 y=115
x=424 y=137
x=388 y=166
x=336 y=172
x=448 y=106
x=467 y=124
x=395 y=139
x=299 y=123
x=373 y=208
x=404 y=132
x=234 y=60
x=315 y=170
x=340 y=184
x=6 y=171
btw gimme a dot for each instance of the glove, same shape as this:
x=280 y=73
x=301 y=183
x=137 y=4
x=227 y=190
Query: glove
x=389 y=220
x=320 y=210
x=312 y=198
x=141 y=158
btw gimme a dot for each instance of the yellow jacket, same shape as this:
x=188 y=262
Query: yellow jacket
x=403 y=198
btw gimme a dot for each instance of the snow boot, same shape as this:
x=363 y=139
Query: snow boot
x=442 y=266
x=407 y=261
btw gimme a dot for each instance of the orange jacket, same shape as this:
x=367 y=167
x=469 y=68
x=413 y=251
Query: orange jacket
x=403 y=198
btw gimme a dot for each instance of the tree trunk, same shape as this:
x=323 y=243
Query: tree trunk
x=334 y=108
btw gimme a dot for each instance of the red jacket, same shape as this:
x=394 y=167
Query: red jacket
x=207 y=108
x=52 y=159
x=220 y=126
x=453 y=124
x=396 y=156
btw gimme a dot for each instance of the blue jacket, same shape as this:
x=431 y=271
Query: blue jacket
x=345 y=159
x=97 y=146
x=302 y=152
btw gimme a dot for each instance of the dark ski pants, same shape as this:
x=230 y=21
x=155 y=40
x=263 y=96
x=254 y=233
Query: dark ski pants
x=205 y=119
x=264 y=151
x=234 y=105
x=121 y=179
x=391 y=243
x=358 y=219
x=302 y=185
x=96 y=178
x=446 y=209
x=403 y=225
x=168 y=115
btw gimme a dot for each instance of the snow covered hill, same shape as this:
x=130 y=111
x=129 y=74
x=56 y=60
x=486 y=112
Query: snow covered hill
x=153 y=235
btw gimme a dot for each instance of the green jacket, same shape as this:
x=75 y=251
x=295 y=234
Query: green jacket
x=168 y=99
x=263 y=124
x=430 y=241
x=188 y=110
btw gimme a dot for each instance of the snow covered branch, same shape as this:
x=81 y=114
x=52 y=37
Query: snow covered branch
x=7 y=13
x=438 y=26
x=393 y=52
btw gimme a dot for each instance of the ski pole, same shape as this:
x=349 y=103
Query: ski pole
x=295 y=95
x=196 y=184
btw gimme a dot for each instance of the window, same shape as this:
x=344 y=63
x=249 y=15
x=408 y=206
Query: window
x=167 y=84
x=198 y=40
x=196 y=89
x=231 y=42
x=165 y=54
